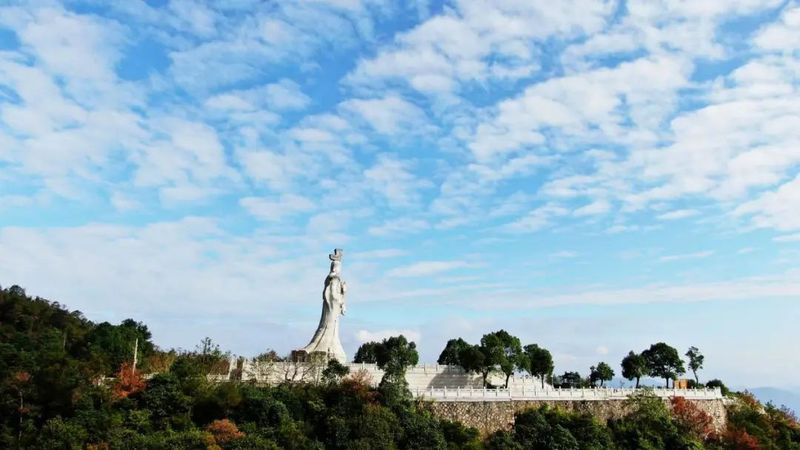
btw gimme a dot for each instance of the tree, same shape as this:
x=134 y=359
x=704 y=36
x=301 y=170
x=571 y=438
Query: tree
x=695 y=361
x=366 y=353
x=502 y=352
x=335 y=371
x=539 y=361
x=472 y=360
x=395 y=354
x=569 y=380
x=600 y=373
x=451 y=355
x=715 y=383
x=663 y=361
x=224 y=431
x=128 y=381
x=634 y=366
x=690 y=419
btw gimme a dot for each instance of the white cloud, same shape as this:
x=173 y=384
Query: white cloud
x=426 y=268
x=741 y=289
x=379 y=335
x=74 y=46
x=379 y=254
x=590 y=106
x=388 y=115
x=187 y=164
x=537 y=219
x=284 y=95
x=783 y=36
x=399 y=226
x=274 y=210
x=684 y=256
x=477 y=41
x=564 y=254
x=392 y=178
x=592 y=209
x=775 y=209
x=787 y=238
x=678 y=214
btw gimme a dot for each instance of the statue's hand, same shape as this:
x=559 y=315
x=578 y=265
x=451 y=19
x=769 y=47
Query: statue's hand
x=344 y=309
x=344 y=287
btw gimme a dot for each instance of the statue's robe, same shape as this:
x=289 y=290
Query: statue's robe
x=326 y=338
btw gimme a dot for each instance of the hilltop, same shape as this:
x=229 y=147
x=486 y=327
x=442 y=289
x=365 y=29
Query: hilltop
x=68 y=382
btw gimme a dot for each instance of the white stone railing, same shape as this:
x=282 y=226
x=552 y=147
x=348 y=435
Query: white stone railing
x=523 y=393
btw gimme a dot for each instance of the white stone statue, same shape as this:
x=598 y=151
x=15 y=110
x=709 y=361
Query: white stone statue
x=326 y=339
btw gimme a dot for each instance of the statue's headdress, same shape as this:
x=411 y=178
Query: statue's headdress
x=336 y=255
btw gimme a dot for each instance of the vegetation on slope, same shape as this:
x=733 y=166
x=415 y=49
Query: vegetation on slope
x=68 y=383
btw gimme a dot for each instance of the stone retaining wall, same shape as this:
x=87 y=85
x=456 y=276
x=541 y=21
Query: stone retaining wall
x=491 y=416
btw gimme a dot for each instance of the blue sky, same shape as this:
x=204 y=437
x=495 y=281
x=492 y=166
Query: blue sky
x=593 y=176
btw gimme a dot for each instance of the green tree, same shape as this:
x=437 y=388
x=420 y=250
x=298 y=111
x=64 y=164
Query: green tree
x=695 y=361
x=395 y=354
x=602 y=373
x=451 y=355
x=569 y=380
x=649 y=425
x=663 y=361
x=716 y=383
x=539 y=362
x=533 y=430
x=366 y=353
x=634 y=367
x=502 y=352
x=472 y=360
x=334 y=371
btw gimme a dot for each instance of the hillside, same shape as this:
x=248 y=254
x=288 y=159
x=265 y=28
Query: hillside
x=67 y=382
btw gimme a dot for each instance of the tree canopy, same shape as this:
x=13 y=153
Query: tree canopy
x=56 y=393
x=634 y=367
x=602 y=373
x=451 y=355
x=663 y=361
x=539 y=362
x=695 y=361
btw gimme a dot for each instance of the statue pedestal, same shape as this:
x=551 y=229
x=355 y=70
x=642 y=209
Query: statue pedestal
x=303 y=356
x=299 y=356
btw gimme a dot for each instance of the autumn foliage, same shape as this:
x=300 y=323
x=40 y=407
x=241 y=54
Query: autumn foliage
x=738 y=440
x=128 y=381
x=691 y=419
x=224 y=431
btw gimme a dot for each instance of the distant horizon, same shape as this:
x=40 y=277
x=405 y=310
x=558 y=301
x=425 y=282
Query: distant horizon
x=593 y=176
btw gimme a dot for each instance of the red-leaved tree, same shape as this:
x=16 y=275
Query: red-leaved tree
x=128 y=381
x=224 y=431
x=691 y=419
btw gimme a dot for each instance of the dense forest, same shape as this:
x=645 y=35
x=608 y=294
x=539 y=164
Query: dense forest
x=69 y=383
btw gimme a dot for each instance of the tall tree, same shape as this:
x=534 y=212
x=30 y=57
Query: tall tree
x=695 y=361
x=472 y=360
x=602 y=373
x=634 y=367
x=503 y=352
x=663 y=361
x=569 y=380
x=366 y=353
x=539 y=361
x=395 y=354
x=452 y=351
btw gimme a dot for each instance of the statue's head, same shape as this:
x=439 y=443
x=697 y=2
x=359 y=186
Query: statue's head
x=336 y=261
x=336 y=255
